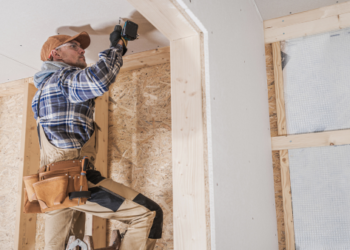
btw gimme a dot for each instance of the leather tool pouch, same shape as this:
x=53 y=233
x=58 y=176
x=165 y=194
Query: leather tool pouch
x=52 y=187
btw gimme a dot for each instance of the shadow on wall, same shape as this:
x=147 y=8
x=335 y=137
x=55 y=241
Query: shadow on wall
x=150 y=38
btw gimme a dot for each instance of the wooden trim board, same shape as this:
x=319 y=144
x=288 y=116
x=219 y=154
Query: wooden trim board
x=30 y=153
x=284 y=158
x=311 y=22
x=330 y=138
x=187 y=145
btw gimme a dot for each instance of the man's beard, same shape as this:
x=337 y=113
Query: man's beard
x=80 y=64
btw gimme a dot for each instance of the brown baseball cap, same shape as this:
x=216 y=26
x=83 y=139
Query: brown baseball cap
x=54 y=41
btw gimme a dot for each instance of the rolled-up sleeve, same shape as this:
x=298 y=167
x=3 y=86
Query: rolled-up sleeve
x=79 y=85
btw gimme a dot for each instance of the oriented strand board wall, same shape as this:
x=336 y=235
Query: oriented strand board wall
x=139 y=142
x=11 y=109
x=275 y=154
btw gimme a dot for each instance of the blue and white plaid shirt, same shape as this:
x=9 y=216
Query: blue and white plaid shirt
x=67 y=99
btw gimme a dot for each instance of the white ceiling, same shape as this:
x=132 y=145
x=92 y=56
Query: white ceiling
x=277 y=8
x=25 y=26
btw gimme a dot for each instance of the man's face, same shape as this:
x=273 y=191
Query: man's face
x=72 y=54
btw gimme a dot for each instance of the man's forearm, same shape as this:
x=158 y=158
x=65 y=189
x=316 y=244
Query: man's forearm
x=93 y=81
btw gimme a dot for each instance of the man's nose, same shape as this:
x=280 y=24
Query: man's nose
x=81 y=51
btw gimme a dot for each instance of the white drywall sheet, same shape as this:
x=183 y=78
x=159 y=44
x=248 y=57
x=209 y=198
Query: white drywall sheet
x=316 y=72
x=317 y=95
x=245 y=215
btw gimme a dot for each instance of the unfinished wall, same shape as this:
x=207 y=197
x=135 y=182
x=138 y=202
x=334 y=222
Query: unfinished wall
x=139 y=141
x=10 y=142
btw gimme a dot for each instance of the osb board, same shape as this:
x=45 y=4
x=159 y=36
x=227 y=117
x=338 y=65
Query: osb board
x=275 y=154
x=11 y=112
x=139 y=150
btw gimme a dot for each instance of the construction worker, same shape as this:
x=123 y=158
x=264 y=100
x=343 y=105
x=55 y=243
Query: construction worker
x=64 y=109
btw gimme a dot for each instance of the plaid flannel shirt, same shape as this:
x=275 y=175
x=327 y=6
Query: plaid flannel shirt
x=67 y=99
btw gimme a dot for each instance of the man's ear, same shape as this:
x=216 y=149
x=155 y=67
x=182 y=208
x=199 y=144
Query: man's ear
x=56 y=56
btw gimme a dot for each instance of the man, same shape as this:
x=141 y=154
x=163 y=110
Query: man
x=64 y=108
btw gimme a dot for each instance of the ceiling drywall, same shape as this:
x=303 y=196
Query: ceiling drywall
x=277 y=8
x=25 y=26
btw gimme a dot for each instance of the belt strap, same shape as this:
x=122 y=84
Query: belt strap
x=60 y=165
x=80 y=194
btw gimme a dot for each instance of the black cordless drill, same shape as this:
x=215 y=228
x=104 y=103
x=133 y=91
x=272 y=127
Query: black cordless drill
x=127 y=33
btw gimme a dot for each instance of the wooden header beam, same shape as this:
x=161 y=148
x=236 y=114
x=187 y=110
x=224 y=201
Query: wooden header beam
x=307 y=23
x=146 y=59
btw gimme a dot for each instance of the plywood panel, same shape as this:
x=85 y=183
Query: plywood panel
x=11 y=113
x=139 y=145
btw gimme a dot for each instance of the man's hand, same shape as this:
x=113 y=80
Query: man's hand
x=116 y=38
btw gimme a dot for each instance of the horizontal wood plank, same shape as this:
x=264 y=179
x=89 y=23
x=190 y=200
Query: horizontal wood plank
x=14 y=87
x=146 y=59
x=322 y=139
x=311 y=22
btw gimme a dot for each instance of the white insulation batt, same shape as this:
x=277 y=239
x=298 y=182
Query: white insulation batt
x=316 y=72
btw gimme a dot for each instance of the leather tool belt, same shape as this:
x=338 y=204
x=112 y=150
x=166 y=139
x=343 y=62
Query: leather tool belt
x=56 y=186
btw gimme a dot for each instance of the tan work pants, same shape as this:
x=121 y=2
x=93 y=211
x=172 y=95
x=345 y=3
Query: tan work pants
x=59 y=223
x=109 y=200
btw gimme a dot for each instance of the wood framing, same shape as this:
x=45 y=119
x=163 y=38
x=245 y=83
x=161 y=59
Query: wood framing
x=311 y=22
x=146 y=59
x=96 y=225
x=187 y=121
x=30 y=153
x=284 y=159
x=330 y=138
